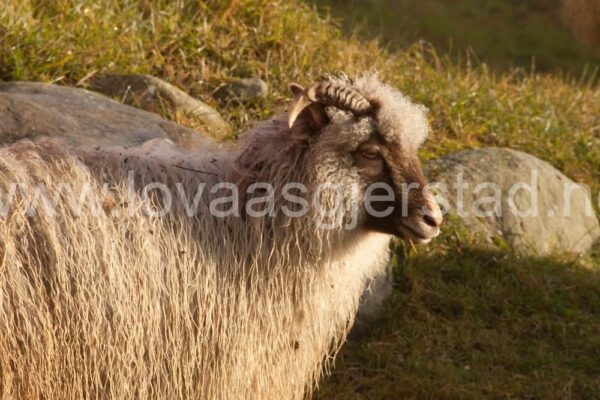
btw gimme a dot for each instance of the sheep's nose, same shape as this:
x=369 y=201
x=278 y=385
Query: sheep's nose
x=433 y=216
x=431 y=221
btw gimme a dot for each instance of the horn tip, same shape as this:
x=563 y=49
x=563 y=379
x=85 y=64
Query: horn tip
x=293 y=115
x=300 y=103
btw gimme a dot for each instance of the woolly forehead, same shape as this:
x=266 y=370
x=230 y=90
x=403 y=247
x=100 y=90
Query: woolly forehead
x=397 y=119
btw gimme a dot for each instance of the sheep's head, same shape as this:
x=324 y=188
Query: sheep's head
x=366 y=133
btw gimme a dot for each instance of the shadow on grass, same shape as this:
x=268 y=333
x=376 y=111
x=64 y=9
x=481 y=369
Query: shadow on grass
x=476 y=325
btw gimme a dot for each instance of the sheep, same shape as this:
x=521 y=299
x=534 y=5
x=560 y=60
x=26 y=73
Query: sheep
x=113 y=300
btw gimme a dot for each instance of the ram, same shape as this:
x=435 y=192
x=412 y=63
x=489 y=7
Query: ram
x=234 y=272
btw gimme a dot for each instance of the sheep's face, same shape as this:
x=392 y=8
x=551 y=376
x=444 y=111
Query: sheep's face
x=375 y=150
x=412 y=211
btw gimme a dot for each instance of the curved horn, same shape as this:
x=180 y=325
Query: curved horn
x=329 y=94
x=340 y=96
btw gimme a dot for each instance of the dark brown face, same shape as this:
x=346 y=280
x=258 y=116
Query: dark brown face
x=416 y=215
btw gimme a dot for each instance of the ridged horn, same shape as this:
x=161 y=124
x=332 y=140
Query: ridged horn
x=329 y=94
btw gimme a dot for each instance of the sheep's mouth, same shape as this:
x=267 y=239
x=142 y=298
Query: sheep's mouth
x=409 y=233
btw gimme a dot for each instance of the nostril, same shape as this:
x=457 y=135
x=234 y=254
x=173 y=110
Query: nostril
x=429 y=220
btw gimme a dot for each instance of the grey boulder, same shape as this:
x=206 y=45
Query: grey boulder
x=555 y=224
x=32 y=109
x=517 y=199
x=148 y=91
x=242 y=90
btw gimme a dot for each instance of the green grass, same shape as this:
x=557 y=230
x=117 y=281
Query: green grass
x=465 y=321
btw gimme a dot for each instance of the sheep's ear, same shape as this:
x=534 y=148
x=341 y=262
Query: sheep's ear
x=312 y=111
x=296 y=89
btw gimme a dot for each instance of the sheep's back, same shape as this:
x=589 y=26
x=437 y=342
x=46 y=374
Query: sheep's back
x=103 y=303
x=86 y=299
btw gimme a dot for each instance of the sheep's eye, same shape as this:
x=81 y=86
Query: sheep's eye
x=369 y=154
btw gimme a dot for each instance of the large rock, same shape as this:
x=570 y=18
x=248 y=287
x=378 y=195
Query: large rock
x=31 y=109
x=518 y=199
x=148 y=92
x=553 y=228
x=242 y=90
